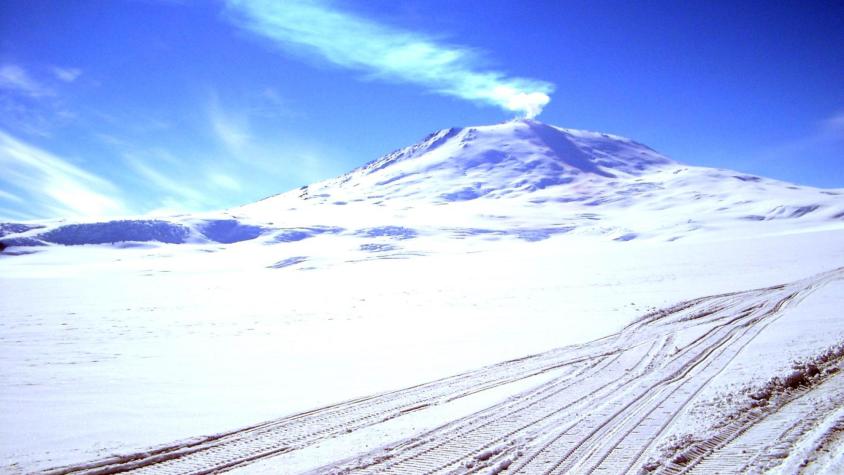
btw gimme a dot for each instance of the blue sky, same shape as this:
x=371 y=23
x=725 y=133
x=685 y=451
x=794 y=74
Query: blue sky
x=134 y=107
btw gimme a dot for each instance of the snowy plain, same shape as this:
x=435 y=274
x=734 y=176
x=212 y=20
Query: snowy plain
x=473 y=247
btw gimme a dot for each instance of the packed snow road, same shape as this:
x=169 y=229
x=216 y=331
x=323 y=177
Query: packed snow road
x=613 y=405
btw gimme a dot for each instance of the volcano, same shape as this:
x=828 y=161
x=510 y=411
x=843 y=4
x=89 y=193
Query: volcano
x=520 y=179
x=674 y=317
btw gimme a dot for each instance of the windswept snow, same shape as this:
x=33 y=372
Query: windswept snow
x=505 y=298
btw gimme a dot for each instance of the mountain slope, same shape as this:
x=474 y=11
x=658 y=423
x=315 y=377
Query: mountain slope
x=497 y=161
x=516 y=180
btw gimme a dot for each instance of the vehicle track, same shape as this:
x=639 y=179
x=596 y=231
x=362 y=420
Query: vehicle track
x=582 y=420
x=564 y=437
x=457 y=443
x=760 y=440
x=425 y=456
x=607 y=447
x=218 y=452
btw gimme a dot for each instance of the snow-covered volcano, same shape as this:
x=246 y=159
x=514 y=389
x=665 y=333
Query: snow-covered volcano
x=475 y=246
x=498 y=161
x=516 y=180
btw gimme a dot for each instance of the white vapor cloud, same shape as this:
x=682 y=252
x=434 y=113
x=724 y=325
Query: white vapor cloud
x=818 y=145
x=832 y=128
x=16 y=78
x=231 y=129
x=53 y=185
x=350 y=41
x=5 y=195
x=190 y=198
x=67 y=74
x=224 y=181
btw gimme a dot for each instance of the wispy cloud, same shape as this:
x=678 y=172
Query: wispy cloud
x=31 y=101
x=810 y=155
x=67 y=74
x=351 y=41
x=7 y=214
x=224 y=181
x=235 y=123
x=52 y=185
x=828 y=132
x=5 y=195
x=231 y=129
x=832 y=128
x=17 y=79
x=163 y=181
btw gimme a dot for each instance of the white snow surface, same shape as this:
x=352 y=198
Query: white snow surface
x=475 y=246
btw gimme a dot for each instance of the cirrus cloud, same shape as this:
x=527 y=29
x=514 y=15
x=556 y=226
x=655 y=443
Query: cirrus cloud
x=17 y=79
x=346 y=40
x=51 y=185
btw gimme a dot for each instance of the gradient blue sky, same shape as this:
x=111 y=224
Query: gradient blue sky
x=133 y=107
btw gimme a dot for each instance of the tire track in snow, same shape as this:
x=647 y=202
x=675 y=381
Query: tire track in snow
x=215 y=453
x=603 y=412
x=760 y=440
x=608 y=447
x=477 y=435
x=642 y=406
